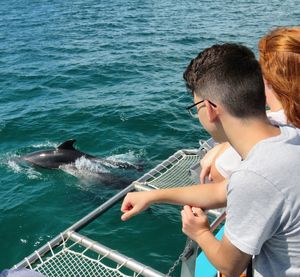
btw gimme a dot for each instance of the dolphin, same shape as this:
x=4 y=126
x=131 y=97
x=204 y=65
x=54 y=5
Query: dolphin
x=65 y=154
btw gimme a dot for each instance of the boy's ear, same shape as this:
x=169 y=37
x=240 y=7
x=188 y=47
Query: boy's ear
x=212 y=112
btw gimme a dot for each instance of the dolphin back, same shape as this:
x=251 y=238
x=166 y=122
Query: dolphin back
x=65 y=153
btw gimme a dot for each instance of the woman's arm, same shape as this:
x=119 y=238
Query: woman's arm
x=207 y=163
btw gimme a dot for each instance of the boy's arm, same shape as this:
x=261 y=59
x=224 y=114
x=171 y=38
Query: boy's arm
x=206 y=196
x=227 y=258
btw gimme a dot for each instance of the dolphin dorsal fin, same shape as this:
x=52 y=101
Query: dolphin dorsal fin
x=67 y=144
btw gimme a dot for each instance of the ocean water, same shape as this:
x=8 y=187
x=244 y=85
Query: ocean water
x=109 y=74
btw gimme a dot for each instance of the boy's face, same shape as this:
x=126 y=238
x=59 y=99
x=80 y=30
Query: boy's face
x=202 y=113
x=209 y=119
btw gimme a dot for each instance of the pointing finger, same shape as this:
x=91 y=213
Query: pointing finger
x=127 y=215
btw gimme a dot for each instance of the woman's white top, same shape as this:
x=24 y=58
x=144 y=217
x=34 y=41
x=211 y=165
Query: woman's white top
x=230 y=160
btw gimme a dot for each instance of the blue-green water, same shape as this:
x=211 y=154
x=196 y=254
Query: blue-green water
x=108 y=73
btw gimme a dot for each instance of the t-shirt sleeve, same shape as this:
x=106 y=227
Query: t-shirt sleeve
x=228 y=162
x=253 y=211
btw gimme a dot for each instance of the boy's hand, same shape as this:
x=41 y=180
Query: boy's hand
x=134 y=203
x=194 y=222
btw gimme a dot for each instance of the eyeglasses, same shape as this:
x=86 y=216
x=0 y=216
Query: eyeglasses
x=193 y=110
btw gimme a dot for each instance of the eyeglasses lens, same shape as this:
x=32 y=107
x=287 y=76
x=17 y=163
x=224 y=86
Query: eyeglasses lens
x=194 y=112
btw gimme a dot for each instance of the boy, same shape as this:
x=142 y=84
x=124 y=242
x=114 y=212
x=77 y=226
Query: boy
x=262 y=195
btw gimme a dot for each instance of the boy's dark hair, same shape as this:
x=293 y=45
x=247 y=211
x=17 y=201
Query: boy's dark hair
x=228 y=74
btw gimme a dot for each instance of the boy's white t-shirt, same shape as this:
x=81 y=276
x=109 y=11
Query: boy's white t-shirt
x=230 y=160
x=263 y=205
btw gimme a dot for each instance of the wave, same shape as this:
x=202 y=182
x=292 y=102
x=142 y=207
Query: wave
x=31 y=173
x=86 y=167
x=129 y=157
x=45 y=144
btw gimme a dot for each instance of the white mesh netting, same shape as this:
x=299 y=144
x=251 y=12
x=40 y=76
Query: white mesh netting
x=73 y=257
x=173 y=172
x=71 y=263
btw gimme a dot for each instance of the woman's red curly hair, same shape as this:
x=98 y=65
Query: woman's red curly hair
x=279 y=57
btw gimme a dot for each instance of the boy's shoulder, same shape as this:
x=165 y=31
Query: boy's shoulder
x=275 y=150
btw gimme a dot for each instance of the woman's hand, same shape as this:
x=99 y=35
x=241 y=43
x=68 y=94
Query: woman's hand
x=209 y=159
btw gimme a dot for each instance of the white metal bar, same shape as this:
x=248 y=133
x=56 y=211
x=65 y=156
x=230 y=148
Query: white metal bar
x=217 y=221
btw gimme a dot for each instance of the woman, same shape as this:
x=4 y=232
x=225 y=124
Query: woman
x=279 y=57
